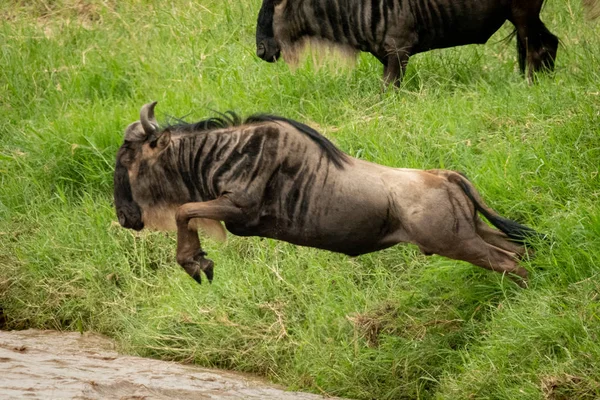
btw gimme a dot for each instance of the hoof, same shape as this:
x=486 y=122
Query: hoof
x=193 y=270
x=207 y=266
x=523 y=283
x=520 y=280
x=197 y=265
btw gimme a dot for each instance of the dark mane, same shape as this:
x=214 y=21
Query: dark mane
x=224 y=120
x=336 y=156
x=231 y=119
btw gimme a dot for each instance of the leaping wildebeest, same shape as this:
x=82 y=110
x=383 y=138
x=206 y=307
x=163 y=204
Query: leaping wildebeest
x=274 y=177
x=393 y=30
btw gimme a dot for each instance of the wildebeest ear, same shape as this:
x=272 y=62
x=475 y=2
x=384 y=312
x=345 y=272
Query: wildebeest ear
x=147 y=118
x=135 y=132
x=163 y=140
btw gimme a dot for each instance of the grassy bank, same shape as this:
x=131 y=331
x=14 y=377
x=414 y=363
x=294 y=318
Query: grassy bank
x=389 y=325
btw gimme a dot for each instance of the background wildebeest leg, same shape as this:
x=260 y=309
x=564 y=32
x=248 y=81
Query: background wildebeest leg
x=539 y=44
x=521 y=53
x=189 y=253
x=394 y=67
x=479 y=252
x=541 y=49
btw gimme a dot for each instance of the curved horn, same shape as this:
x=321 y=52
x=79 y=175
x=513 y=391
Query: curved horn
x=147 y=118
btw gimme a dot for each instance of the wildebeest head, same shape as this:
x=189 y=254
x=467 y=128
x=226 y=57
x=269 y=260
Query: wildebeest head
x=267 y=47
x=141 y=147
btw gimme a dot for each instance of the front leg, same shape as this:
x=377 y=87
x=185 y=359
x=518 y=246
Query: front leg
x=189 y=252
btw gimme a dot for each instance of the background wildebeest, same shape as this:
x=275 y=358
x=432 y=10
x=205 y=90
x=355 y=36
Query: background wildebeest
x=393 y=30
x=277 y=178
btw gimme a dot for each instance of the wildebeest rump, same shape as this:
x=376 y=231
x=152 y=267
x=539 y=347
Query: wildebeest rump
x=278 y=178
x=393 y=30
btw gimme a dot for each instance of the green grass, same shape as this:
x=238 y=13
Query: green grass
x=389 y=325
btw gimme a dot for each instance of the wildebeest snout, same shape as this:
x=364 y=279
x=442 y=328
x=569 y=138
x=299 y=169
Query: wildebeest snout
x=130 y=216
x=260 y=50
x=268 y=50
x=129 y=212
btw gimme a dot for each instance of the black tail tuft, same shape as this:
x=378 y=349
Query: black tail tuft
x=516 y=232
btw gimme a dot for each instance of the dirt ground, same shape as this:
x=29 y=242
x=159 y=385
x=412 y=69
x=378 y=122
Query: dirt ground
x=68 y=365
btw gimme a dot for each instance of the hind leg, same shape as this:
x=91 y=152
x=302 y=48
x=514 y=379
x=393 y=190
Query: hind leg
x=499 y=239
x=478 y=252
x=465 y=243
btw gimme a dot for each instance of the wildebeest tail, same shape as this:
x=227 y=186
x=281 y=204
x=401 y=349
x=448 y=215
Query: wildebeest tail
x=516 y=232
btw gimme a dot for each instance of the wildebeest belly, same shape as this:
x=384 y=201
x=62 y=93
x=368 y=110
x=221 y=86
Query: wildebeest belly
x=441 y=24
x=353 y=233
x=349 y=243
